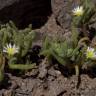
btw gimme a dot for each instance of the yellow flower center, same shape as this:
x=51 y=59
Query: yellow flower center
x=11 y=51
x=90 y=54
x=78 y=13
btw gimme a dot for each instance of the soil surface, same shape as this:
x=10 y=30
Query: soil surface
x=48 y=80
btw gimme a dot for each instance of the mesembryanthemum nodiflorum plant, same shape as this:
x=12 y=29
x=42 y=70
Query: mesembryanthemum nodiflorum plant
x=14 y=46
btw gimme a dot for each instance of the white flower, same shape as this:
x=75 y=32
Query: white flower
x=90 y=53
x=78 y=11
x=11 y=49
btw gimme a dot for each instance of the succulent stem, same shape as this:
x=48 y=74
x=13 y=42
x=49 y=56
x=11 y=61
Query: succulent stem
x=22 y=66
x=1 y=75
x=77 y=70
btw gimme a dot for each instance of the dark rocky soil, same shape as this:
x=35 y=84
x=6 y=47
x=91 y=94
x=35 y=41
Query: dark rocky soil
x=48 y=80
x=49 y=17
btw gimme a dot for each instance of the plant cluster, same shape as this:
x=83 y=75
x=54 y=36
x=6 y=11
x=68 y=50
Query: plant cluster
x=78 y=50
x=14 y=46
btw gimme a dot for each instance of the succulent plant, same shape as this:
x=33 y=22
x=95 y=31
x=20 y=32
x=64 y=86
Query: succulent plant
x=66 y=53
x=81 y=25
x=14 y=45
